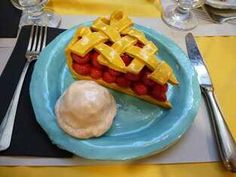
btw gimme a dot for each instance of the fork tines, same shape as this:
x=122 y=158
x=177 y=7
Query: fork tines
x=36 y=35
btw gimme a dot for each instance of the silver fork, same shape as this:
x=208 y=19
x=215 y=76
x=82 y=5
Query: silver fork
x=37 y=42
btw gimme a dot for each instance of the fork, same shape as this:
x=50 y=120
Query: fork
x=37 y=42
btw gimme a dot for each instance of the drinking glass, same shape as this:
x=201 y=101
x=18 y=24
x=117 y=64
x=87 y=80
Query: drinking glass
x=34 y=13
x=180 y=17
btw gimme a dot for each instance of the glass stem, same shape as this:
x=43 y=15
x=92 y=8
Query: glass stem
x=182 y=11
x=35 y=13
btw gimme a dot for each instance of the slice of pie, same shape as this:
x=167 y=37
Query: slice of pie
x=118 y=56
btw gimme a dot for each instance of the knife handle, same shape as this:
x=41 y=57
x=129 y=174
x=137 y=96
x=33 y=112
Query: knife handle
x=225 y=141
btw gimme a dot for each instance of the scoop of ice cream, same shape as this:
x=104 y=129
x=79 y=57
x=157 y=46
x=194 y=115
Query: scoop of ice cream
x=85 y=109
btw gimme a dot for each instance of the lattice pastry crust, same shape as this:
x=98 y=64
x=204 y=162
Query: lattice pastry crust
x=112 y=39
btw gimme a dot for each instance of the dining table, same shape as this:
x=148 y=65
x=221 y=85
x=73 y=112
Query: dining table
x=196 y=153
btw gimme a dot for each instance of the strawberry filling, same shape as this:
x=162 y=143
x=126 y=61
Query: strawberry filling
x=140 y=83
x=126 y=59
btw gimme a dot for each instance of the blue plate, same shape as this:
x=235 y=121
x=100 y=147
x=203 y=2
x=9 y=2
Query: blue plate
x=140 y=128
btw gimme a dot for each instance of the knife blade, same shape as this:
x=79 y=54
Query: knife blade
x=224 y=139
x=197 y=61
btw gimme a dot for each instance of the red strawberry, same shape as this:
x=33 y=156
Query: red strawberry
x=146 y=69
x=96 y=73
x=157 y=88
x=82 y=69
x=94 y=54
x=158 y=92
x=162 y=97
x=164 y=88
x=122 y=82
x=140 y=89
x=107 y=77
x=109 y=43
x=159 y=96
x=114 y=72
x=160 y=88
x=139 y=44
x=81 y=60
x=147 y=81
x=132 y=77
x=95 y=61
x=127 y=59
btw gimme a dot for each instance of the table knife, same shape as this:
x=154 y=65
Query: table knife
x=224 y=139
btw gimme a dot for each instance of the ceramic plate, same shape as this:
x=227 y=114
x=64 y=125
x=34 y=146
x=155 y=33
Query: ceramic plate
x=140 y=128
x=227 y=4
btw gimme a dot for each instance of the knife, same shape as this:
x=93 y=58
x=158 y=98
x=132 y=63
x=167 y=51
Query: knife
x=225 y=141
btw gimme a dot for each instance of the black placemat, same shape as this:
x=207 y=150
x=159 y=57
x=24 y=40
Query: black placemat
x=9 y=19
x=28 y=137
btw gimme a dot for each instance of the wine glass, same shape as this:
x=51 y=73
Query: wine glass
x=34 y=13
x=180 y=16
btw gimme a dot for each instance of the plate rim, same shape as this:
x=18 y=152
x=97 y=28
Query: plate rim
x=221 y=5
x=195 y=105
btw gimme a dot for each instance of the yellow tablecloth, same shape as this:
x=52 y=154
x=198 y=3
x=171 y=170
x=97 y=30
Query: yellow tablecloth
x=220 y=55
x=180 y=170
x=149 y=8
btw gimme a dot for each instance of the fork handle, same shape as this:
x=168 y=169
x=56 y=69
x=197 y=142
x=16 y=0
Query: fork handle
x=225 y=141
x=6 y=127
